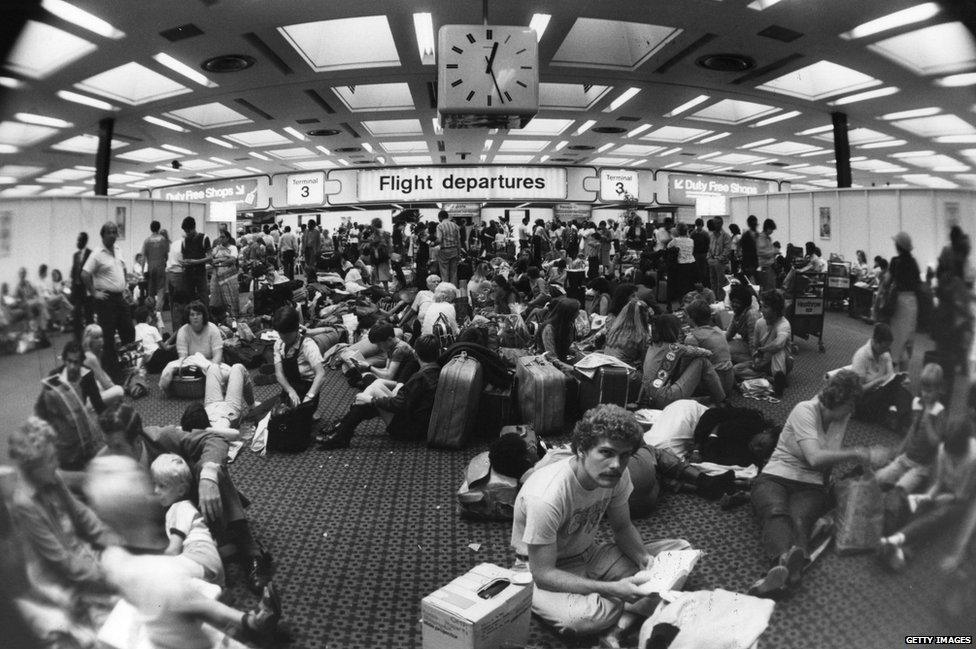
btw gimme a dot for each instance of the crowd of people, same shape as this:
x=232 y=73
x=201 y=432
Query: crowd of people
x=112 y=507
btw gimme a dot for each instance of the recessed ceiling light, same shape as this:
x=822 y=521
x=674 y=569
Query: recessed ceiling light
x=706 y=156
x=605 y=147
x=812 y=154
x=368 y=147
x=561 y=145
x=819 y=129
x=712 y=138
x=228 y=63
x=177 y=149
x=768 y=140
x=10 y=82
x=343 y=162
x=182 y=68
x=624 y=97
x=220 y=160
x=162 y=122
x=669 y=152
x=957 y=80
x=776 y=118
x=30 y=118
x=83 y=19
x=8 y=148
x=956 y=139
x=882 y=145
x=862 y=96
x=324 y=150
x=688 y=105
x=294 y=132
x=219 y=142
x=423 y=26
x=543 y=158
x=255 y=154
x=637 y=131
x=913 y=154
x=584 y=127
x=67 y=95
x=539 y=23
x=918 y=112
x=915 y=14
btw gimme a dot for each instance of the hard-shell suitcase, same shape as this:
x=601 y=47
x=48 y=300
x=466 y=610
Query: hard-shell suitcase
x=541 y=394
x=609 y=385
x=455 y=403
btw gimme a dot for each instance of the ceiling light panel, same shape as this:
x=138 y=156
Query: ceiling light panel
x=74 y=15
x=293 y=153
x=612 y=44
x=42 y=120
x=858 y=136
x=315 y=164
x=584 y=127
x=133 y=84
x=957 y=80
x=544 y=126
x=818 y=129
x=819 y=80
x=939 y=49
x=67 y=95
x=886 y=144
x=674 y=134
x=177 y=149
x=510 y=158
x=162 y=122
x=423 y=27
x=183 y=69
x=538 y=24
x=344 y=43
x=18 y=134
x=638 y=149
x=926 y=180
x=696 y=166
x=736 y=158
x=864 y=96
x=937 y=161
x=637 y=131
x=148 y=154
x=916 y=112
x=413 y=146
x=263 y=137
x=688 y=105
x=776 y=118
x=909 y=16
x=713 y=138
x=68 y=174
x=622 y=99
x=819 y=170
x=211 y=115
x=393 y=127
x=19 y=171
x=936 y=125
x=22 y=190
x=570 y=96
x=229 y=173
x=85 y=144
x=878 y=166
x=610 y=161
x=41 y=50
x=733 y=111
x=198 y=164
x=375 y=97
x=413 y=160
x=524 y=145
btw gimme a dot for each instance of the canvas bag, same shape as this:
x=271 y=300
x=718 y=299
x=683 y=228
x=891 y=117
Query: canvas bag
x=859 y=517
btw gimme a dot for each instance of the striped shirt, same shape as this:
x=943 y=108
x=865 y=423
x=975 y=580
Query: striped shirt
x=448 y=234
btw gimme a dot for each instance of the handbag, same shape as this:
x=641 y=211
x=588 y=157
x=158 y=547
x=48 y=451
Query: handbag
x=859 y=517
x=290 y=428
x=188 y=383
x=443 y=331
x=136 y=385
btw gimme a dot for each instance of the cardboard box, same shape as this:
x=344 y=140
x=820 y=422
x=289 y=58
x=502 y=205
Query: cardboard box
x=483 y=609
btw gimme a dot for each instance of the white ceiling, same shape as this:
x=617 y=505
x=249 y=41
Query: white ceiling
x=347 y=66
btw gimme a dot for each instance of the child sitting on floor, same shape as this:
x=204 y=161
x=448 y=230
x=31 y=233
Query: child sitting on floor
x=189 y=537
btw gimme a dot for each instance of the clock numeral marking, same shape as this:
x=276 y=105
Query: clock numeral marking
x=508 y=96
x=521 y=84
x=526 y=67
x=471 y=38
x=455 y=84
x=488 y=34
x=470 y=95
x=521 y=50
x=457 y=49
x=452 y=66
x=489 y=100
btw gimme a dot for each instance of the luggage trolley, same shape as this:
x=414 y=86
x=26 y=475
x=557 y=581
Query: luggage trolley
x=838 y=284
x=806 y=307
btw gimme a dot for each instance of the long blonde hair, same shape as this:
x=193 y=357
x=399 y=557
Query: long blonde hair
x=629 y=326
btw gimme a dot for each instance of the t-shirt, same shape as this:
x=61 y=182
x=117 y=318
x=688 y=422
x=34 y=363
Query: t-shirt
x=553 y=507
x=309 y=356
x=207 y=342
x=918 y=447
x=713 y=339
x=420 y=303
x=156 y=249
x=106 y=270
x=674 y=429
x=149 y=336
x=804 y=422
x=869 y=368
x=184 y=520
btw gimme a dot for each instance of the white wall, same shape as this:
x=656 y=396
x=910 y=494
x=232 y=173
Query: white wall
x=44 y=230
x=862 y=219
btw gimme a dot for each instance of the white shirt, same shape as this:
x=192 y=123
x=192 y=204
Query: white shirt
x=107 y=271
x=674 y=429
x=149 y=335
x=435 y=309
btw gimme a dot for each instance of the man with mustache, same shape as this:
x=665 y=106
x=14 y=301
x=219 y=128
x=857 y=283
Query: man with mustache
x=582 y=587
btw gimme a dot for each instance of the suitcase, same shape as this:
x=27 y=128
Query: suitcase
x=541 y=394
x=661 y=290
x=495 y=411
x=455 y=403
x=608 y=385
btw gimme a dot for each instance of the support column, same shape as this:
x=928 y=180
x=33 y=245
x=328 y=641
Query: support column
x=842 y=149
x=106 y=127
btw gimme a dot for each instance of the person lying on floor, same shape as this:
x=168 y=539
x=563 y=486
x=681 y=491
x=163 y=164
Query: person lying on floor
x=216 y=496
x=915 y=457
x=770 y=344
x=227 y=399
x=582 y=587
x=882 y=387
x=674 y=371
x=945 y=504
x=790 y=494
x=161 y=588
x=406 y=407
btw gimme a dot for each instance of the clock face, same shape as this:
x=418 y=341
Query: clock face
x=487 y=69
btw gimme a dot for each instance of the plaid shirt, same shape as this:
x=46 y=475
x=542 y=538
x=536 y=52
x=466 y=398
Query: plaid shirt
x=448 y=234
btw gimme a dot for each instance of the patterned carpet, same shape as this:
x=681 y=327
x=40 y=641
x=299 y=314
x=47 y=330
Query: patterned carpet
x=361 y=535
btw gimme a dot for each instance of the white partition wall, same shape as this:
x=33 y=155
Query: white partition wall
x=43 y=230
x=864 y=219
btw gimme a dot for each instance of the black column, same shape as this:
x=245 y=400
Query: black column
x=106 y=127
x=842 y=149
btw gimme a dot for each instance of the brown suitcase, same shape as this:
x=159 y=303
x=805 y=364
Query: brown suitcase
x=455 y=403
x=541 y=394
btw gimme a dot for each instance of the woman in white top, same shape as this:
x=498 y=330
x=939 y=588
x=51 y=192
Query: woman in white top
x=683 y=274
x=198 y=336
x=93 y=344
x=442 y=308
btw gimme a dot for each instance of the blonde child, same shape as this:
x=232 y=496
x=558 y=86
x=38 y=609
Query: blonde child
x=189 y=537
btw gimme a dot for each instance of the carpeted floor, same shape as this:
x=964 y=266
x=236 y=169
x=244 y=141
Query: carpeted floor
x=361 y=535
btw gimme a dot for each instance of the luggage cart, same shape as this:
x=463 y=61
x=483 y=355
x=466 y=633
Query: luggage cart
x=838 y=284
x=806 y=306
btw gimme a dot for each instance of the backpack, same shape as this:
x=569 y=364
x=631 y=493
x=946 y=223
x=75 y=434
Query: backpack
x=79 y=434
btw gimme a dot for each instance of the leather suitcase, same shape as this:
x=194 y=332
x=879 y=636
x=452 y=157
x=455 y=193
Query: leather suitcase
x=455 y=403
x=608 y=385
x=495 y=411
x=541 y=394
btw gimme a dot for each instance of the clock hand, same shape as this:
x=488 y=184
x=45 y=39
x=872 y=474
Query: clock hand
x=491 y=59
x=501 y=99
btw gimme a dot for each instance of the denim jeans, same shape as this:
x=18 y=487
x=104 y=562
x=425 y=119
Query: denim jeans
x=787 y=510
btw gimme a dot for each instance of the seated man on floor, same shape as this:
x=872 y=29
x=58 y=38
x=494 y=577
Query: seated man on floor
x=216 y=497
x=69 y=401
x=582 y=587
x=882 y=387
x=770 y=344
x=406 y=407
